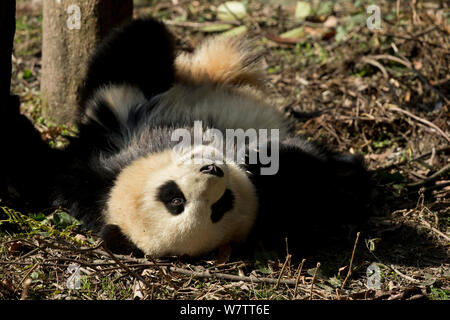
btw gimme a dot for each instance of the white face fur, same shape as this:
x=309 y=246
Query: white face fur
x=169 y=207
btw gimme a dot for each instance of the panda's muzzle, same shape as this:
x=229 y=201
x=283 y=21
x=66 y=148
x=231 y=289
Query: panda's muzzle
x=212 y=169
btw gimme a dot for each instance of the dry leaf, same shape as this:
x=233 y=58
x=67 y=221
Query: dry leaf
x=138 y=290
x=417 y=64
x=235 y=31
x=294 y=33
x=80 y=237
x=15 y=248
x=331 y=22
x=231 y=11
x=302 y=10
x=216 y=27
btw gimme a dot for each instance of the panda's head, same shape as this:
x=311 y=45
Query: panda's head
x=165 y=206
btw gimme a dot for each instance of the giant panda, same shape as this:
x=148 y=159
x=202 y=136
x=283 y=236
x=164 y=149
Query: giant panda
x=125 y=177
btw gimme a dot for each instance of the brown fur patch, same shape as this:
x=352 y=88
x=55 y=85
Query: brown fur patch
x=221 y=60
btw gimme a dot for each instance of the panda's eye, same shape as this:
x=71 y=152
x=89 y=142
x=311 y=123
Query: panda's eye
x=176 y=202
x=172 y=197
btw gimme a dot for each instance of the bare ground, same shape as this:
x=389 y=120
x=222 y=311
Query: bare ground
x=382 y=93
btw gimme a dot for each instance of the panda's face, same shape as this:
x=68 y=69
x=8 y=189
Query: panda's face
x=188 y=195
x=169 y=207
x=204 y=188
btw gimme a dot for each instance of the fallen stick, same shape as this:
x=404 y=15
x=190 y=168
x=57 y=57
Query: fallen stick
x=403 y=275
x=435 y=230
x=126 y=268
x=351 y=263
x=409 y=65
x=424 y=121
x=230 y=277
x=313 y=280
x=431 y=178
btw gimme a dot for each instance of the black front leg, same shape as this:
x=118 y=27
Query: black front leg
x=28 y=164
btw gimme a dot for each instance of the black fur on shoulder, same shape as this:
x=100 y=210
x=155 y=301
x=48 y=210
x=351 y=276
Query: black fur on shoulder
x=140 y=53
x=314 y=192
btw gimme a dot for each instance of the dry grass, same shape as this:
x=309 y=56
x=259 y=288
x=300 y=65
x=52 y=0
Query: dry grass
x=381 y=93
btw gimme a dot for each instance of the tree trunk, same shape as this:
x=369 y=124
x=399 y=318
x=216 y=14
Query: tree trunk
x=71 y=29
x=8 y=28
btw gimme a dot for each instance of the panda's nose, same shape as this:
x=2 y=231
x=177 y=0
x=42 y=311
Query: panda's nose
x=212 y=169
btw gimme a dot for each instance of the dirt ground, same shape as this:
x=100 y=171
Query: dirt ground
x=380 y=92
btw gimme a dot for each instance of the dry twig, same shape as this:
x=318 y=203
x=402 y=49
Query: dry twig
x=125 y=267
x=435 y=230
x=288 y=257
x=424 y=121
x=351 y=263
x=299 y=272
x=431 y=178
x=403 y=275
x=313 y=280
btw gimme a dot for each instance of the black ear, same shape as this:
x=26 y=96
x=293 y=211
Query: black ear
x=116 y=241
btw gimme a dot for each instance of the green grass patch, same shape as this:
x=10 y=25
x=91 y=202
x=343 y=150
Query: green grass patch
x=439 y=294
x=59 y=224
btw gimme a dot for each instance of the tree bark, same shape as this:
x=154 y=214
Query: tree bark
x=71 y=29
x=7 y=102
x=8 y=28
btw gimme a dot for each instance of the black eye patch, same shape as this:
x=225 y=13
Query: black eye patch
x=223 y=205
x=173 y=198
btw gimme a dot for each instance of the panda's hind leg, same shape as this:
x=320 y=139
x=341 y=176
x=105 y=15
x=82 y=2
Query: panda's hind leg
x=131 y=65
x=139 y=54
